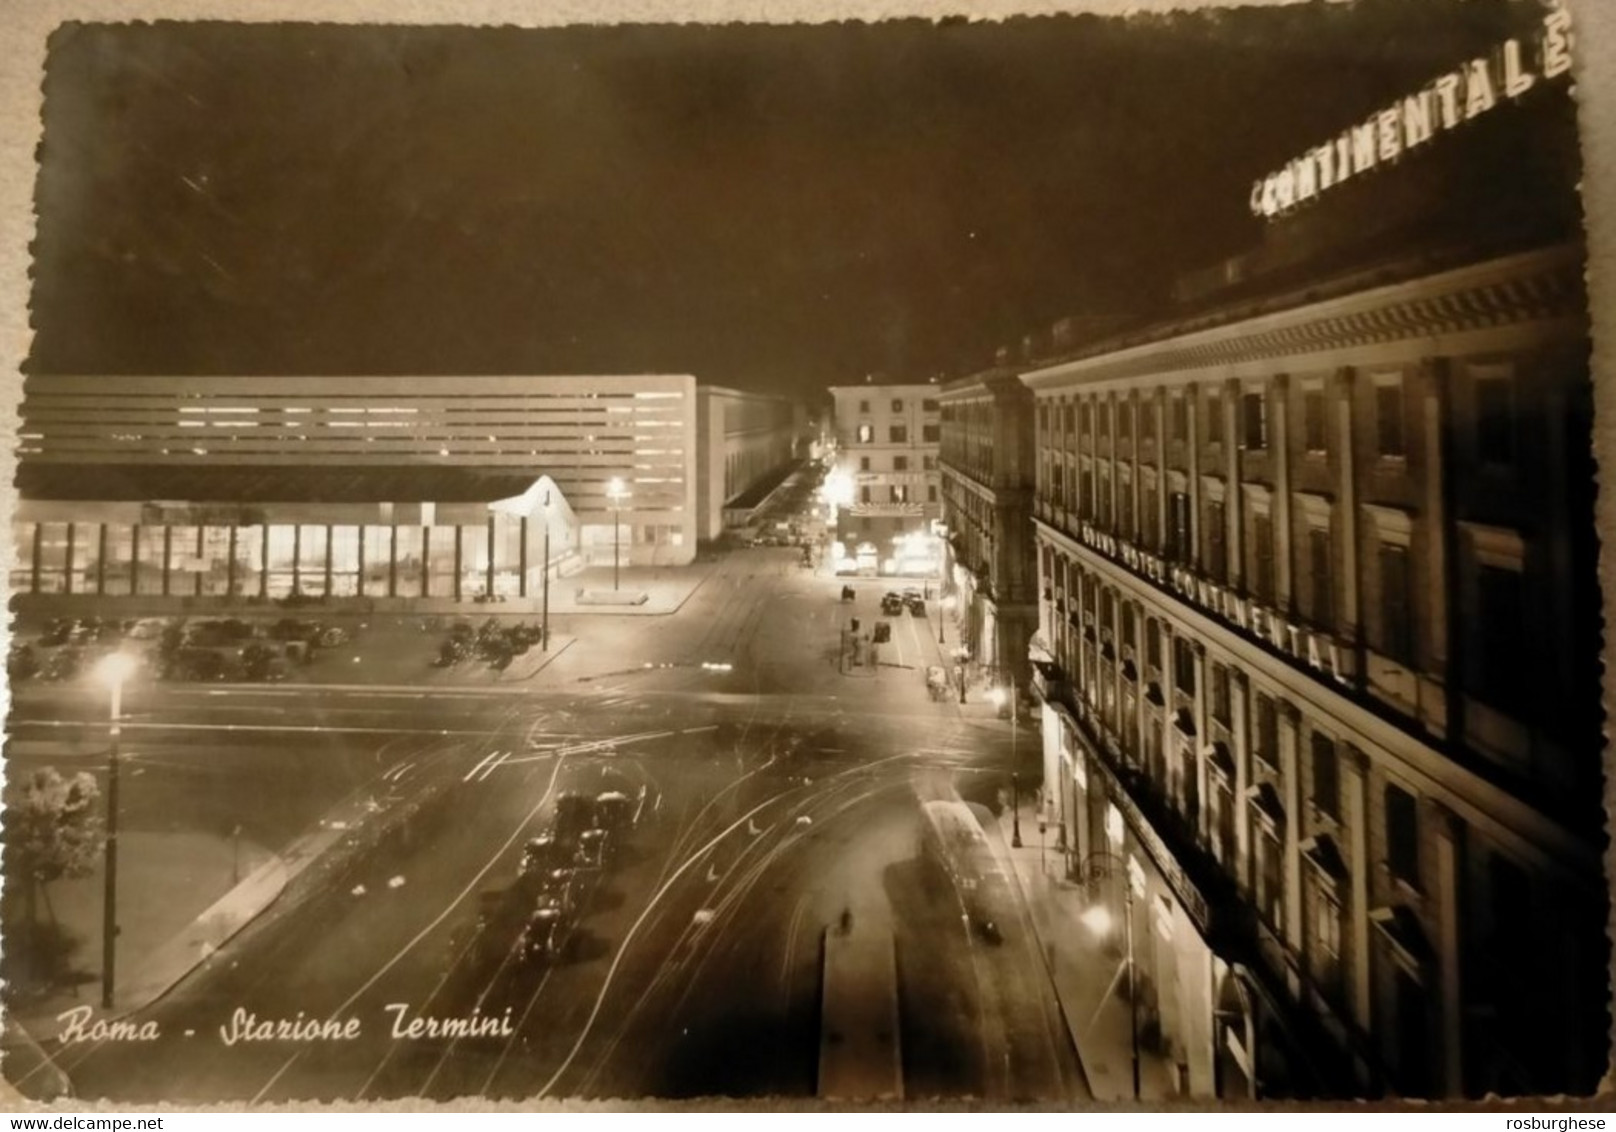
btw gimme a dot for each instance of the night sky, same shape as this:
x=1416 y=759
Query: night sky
x=777 y=208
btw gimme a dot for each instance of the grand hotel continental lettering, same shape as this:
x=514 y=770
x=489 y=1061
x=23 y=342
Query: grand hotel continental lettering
x=1299 y=642
x=1451 y=100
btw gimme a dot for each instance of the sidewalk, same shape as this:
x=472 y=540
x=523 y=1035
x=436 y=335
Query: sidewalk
x=153 y=957
x=1089 y=983
x=666 y=589
x=166 y=881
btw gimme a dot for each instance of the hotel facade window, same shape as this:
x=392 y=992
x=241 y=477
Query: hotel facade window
x=1315 y=426
x=1402 y=835
x=1396 y=614
x=1389 y=416
x=1254 y=421
x=1495 y=419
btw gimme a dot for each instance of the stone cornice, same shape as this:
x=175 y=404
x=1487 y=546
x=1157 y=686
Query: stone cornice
x=1537 y=286
x=999 y=384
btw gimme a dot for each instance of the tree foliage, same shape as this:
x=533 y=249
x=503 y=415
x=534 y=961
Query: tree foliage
x=53 y=828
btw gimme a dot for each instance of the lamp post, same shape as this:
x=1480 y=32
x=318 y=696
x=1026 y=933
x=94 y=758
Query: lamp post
x=615 y=492
x=944 y=604
x=112 y=672
x=1015 y=803
x=1098 y=918
x=544 y=624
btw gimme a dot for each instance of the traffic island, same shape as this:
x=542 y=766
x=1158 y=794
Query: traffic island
x=859 y=1054
x=612 y=597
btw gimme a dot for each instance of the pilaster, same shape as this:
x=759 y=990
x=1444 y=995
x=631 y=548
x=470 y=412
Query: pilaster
x=1289 y=721
x=1279 y=455
x=1450 y=848
x=1355 y=816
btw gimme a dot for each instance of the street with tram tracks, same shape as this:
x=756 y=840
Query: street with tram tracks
x=775 y=796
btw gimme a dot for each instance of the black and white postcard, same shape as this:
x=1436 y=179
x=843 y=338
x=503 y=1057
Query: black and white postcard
x=1043 y=559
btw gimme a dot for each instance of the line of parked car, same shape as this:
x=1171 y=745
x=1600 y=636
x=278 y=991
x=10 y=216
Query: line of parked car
x=174 y=648
x=495 y=644
x=894 y=603
x=561 y=869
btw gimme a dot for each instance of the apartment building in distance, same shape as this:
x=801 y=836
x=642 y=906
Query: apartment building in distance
x=988 y=465
x=888 y=438
x=1319 y=637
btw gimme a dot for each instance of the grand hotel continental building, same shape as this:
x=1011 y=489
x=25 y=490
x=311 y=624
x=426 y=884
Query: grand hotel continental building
x=1318 y=639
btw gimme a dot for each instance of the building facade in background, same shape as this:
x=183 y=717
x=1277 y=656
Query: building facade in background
x=1325 y=618
x=988 y=465
x=747 y=443
x=888 y=439
x=365 y=487
x=1318 y=645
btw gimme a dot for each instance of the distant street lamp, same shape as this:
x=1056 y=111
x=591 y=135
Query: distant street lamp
x=1015 y=799
x=616 y=493
x=112 y=671
x=1098 y=919
x=544 y=625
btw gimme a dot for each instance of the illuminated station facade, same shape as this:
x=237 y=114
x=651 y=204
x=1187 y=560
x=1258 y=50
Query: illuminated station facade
x=1317 y=644
x=441 y=487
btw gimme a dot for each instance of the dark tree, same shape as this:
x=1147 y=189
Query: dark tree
x=53 y=830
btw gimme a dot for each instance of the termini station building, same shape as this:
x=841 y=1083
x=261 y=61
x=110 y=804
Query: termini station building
x=1318 y=618
x=383 y=488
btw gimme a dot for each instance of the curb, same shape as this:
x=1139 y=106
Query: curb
x=149 y=990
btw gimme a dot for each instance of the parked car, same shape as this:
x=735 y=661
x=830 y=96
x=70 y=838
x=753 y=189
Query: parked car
x=292 y=629
x=147 y=629
x=21 y=662
x=892 y=604
x=63 y=664
x=555 y=886
x=199 y=664
x=883 y=632
x=56 y=633
x=575 y=813
x=542 y=854
x=260 y=661
x=545 y=936
x=594 y=846
x=614 y=811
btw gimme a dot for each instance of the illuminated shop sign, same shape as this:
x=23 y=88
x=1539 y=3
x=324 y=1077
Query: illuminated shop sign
x=1451 y=100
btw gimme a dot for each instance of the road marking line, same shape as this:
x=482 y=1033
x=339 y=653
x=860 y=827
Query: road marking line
x=493 y=766
x=484 y=762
